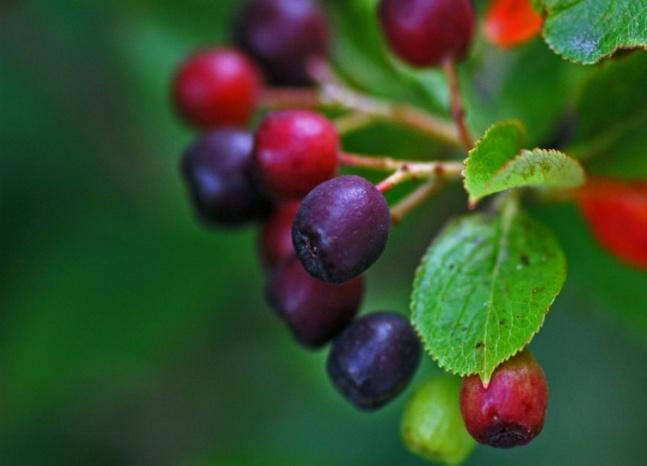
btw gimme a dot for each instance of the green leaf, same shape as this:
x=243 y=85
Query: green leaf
x=498 y=163
x=586 y=31
x=484 y=287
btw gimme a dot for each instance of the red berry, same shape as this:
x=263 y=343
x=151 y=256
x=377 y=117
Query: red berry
x=282 y=35
x=315 y=311
x=295 y=151
x=217 y=87
x=276 y=234
x=510 y=411
x=617 y=214
x=427 y=32
x=509 y=23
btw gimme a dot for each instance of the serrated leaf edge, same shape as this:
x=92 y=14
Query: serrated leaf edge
x=522 y=136
x=443 y=365
x=564 y=55
x=521 y=154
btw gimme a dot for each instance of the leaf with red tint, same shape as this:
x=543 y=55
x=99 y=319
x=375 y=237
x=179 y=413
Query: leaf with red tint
x=509 y=23
x=617 y=214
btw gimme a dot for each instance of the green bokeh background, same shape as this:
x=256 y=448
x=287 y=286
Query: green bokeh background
x=131 y=336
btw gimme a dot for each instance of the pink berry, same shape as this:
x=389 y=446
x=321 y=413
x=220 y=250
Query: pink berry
x=510 y=411
x=217 y=87
x=295 y=151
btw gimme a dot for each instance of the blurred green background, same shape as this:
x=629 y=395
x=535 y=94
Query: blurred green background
x=131 y=336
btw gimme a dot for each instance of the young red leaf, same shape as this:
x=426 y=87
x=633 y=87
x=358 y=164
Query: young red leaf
x=617 y=214
x=509 y=23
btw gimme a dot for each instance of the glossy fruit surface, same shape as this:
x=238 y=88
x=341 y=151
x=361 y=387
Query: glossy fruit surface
x=509 y=23
x=341 y=228
x=374 y=359
x=314 y=311
x=276 y=234
x=427 y=32
x=283 y=35
x=617 y=213
x=510 y=411
x=218 y=172
x=432 y=426
x=295 y=150
x=216 y=87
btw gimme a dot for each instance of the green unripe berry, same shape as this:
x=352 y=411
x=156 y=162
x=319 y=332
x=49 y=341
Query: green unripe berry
x=432 y=426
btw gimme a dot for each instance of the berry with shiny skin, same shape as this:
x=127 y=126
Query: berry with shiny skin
x=509 y=23
x=510 y=411
x=314 y=311
x=276 y=235
x=341 y=228
x=373 y=359
x=217 y=170
x=283 y=35
x=616 y=211
x=427 y=32
x=432 y=426
x=295 y=150
x=217 y=87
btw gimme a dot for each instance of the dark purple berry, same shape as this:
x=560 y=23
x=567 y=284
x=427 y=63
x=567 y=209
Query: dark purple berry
x=510 y=410
x=282 y=35
x=427 y=32
x=341 y=228
x=374 y=359
x=218 y=172
x=314 y=311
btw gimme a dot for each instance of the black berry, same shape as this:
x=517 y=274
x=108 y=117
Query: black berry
x=218 y=172
x=426 y=32
x=341 y=228
x=374 y=359
x=314 y=311
x=282 y=35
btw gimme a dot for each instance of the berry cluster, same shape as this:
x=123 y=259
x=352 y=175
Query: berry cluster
x=320 y=232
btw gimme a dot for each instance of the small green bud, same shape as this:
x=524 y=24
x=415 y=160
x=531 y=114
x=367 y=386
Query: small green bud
x=432 y=426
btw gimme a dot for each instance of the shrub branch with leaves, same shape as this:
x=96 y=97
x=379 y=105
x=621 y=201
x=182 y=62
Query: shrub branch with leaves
x=489 y=278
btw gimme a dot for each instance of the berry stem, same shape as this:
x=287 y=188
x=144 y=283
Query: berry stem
x=413 y=200
x=404 y=114
x=458 y=111
x=352 y=122
x=415 y=168
x=289 y=98
x=335 y=92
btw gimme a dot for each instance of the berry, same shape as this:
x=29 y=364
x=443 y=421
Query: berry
x=216 y=87
x=432 y=425
x=510 y=411
x=283 y=35
x=509 y=23
x=427 y=32
x=276 y=234
x=295 y=150
x=341 y=228
x=217 y=171
x=374 y=359
x=617 y=214
x=314 y=311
